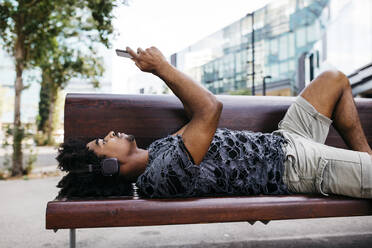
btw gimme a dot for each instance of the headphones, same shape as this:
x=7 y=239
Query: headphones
x=107 y=167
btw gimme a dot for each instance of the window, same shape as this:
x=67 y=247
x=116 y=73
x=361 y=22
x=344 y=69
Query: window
x=267 y=70
x=267 y=46
x=275 y=71
x=238 y=65
x=259 y=19
x=312 y=32
x=274 y=46
x=246 y=25
x=283 y=67
x=291 y=45
x=283 y=47
x=301 y=37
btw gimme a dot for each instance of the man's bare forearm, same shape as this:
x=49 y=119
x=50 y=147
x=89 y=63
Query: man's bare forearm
x=198 y=102
x=195 y=98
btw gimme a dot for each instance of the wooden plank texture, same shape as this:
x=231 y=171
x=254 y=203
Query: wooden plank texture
x=149 y=117
x=145 y=212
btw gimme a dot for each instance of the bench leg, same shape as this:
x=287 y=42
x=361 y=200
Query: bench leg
x=254 y=221
x=72 y=238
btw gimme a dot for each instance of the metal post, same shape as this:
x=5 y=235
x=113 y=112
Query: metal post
x=253 y=88
x=72 y=238
x=264 y=85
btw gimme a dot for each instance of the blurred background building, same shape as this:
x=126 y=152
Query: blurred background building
x=346 y=45
x=30 y=96
x=263 y=44
x=29 y=103
x=281 y=47
x=144 y=83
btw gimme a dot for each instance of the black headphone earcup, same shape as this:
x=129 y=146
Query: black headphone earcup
x=110 y=167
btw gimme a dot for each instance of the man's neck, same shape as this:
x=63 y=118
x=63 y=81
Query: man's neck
x=136 y=166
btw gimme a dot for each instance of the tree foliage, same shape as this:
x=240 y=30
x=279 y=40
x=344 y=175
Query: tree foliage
x=241 y=92
x=42 y=33
x=62 y=65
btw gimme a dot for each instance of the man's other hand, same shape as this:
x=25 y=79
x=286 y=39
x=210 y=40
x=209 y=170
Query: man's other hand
x=148 y=60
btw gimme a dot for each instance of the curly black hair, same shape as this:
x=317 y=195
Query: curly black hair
x=73 y=155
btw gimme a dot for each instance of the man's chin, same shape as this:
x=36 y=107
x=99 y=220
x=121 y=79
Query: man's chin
x=130 y=138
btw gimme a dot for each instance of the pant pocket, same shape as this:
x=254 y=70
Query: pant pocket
x=309 y=179
x=291 y=176
x=291 y=168
x=345 y=178
x=366 y=175
x=320 y=183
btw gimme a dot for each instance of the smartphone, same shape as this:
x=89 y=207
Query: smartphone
x=123 y=53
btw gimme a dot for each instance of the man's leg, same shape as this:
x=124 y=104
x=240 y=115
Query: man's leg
x=330 y=94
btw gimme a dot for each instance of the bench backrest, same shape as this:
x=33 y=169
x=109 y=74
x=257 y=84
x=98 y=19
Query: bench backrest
x=149 y=117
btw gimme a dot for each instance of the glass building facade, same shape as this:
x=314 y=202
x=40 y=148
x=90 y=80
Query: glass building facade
x=264 y=44
x=347 y=42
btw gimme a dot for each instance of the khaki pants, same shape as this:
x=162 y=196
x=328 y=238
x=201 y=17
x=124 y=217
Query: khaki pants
x=311 y=166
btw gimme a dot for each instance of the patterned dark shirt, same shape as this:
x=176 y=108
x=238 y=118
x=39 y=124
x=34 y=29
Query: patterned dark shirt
x=237 y=163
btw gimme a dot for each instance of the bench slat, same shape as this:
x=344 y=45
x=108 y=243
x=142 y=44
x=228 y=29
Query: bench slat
x=146 y=212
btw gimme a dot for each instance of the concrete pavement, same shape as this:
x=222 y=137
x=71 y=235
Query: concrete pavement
x=22 y=224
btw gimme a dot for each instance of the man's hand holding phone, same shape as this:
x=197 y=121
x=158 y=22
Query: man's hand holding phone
x=148 y=60
x=123 y=53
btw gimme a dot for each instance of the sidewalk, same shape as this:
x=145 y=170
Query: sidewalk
x=45 y=156
x=46 y=164
x=22 y=224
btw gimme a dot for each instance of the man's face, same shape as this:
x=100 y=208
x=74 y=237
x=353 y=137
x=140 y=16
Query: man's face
x=114 y=145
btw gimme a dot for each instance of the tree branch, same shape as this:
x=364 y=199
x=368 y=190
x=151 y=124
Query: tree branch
x=32 y=3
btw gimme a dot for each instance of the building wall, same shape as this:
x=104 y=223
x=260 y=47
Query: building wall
x=347 y=42
x=283 y=31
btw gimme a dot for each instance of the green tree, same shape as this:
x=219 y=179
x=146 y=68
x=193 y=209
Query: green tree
x=28 y=27
x=241 y=92
x=62 y=65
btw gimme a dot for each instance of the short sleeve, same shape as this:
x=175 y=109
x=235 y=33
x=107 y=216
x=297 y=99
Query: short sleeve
x=170 y=172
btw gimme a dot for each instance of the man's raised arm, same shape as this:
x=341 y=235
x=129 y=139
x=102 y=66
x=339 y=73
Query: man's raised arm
x=201 y=105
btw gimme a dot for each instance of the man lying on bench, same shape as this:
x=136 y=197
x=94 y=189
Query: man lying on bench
x=201 y=160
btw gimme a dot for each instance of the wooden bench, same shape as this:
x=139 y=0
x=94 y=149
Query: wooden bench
x=149 y=117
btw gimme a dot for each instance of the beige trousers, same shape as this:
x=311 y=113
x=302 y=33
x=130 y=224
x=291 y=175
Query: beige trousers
x=311 y=166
